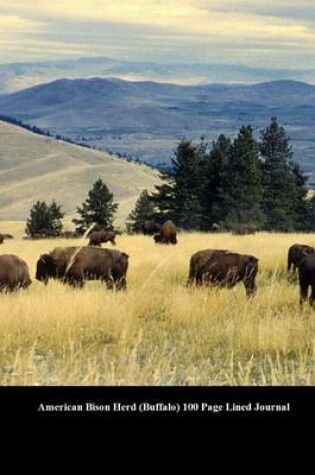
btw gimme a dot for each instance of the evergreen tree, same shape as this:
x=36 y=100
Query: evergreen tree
x=284 y=194
x=243 y=194
x=217 y=186
x=143 y=210
x=301 y=205
x=98 y=208
x=163 y=199
x=181 y=197
x=44 y=219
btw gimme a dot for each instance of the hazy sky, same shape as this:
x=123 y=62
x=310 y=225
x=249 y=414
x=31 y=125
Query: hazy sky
x=272 y=33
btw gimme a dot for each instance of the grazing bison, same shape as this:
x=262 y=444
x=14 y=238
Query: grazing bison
x=14 y=273
x=97 y=237
x=167 y=234
x=6 y=236
x=296 y=253
x=198 y=264
x=306 y=271
x=226 y=269
x=242 y=229
x=74 y=265
x=150 y=227
x=3 y=237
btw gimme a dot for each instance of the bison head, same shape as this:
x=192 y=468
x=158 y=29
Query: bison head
x=158 y=238
x=46 y=268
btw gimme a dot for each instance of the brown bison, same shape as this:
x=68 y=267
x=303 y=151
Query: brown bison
x=198 y=264
x=97 y=237
x=296 y=253
x=6 y=236
x=306 y=271
x=167 y=234
x=1 y=239
x=226 y=269
x=14 y=273
x=150 y=227
x=242 y=229
x=74 y=265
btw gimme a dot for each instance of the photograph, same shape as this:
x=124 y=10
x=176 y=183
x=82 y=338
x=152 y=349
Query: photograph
x=157 y=209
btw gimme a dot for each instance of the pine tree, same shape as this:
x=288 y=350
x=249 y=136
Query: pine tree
x=163 y=199
x=98 y=208
x=180 y=196
x=243 y=197
x=301 y=207
x=45 y=219
x=143 y=210
x=217 y=185
x=283 y=181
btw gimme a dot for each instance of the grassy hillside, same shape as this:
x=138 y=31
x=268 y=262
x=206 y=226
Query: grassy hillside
x=159 y=332
x=35 y=167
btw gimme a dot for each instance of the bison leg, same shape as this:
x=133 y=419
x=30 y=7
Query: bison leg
x=121 y=284
x=250 y=288
x=109 y=282
x=312 y=297
x=303 y=293
x=75 y=281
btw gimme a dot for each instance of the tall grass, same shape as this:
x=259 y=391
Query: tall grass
x=159 y=332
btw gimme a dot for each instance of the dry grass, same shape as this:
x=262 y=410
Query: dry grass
x=159 y=332
x=36 y=167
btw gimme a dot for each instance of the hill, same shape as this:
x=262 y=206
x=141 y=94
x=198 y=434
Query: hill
x=147 y=119
x=17 y=76
x=34 y=167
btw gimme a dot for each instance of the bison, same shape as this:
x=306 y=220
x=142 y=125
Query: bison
x=6 y=236
x=226 y=269
x=3 y=237
x=306 y=270
x=296 y=253
x=167 y=234
x=97 y=237
x=14 y=273
x=198 y=264
x=150 y=227
x=74 y=265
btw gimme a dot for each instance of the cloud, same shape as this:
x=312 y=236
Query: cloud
x=267 y=26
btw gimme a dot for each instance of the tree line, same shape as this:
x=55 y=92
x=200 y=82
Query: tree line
x=232 y=182
x=229 y=182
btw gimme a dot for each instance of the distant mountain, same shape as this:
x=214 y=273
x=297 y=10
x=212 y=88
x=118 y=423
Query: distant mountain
x=147 y=119
x=34 y=167
x=17 y=76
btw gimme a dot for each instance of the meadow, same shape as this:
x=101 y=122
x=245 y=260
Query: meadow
x=159 y=332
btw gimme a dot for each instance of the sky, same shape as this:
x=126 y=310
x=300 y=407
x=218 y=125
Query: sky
x=258 y=33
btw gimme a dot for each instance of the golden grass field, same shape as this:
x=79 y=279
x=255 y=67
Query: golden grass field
x=159 y=332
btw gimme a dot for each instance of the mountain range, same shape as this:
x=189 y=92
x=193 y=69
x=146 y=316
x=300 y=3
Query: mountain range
x=17 y=76
x=146 y=119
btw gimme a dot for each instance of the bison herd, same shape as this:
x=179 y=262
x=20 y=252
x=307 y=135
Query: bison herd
x=211 y=267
